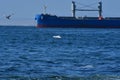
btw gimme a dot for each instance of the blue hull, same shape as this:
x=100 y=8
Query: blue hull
x=49 y=21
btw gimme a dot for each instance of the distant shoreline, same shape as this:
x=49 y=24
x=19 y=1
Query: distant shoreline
x=17 y=26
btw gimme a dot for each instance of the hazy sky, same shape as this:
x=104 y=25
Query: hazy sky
x=25 y=10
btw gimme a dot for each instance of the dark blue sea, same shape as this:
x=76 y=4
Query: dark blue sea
x=30 y=53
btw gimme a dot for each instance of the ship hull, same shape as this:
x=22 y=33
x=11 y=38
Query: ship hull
x=48 y=21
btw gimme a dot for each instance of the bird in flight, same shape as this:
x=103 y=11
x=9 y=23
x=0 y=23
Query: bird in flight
x=9 y=16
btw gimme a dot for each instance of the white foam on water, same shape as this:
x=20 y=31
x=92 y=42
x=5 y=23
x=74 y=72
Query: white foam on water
x=88 y=66
x=57 y=36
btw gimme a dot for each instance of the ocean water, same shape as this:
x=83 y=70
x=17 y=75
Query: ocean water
x=29 y=53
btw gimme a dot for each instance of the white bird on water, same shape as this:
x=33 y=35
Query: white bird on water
x=57 y=36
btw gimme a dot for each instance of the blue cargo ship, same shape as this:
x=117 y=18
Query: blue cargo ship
x=53 y=21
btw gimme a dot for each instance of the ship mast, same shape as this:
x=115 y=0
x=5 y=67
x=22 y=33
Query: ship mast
x=99 y=9
x=73 y=8
x=44 y=8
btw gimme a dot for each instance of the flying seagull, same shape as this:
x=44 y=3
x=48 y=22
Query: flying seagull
x=9 y=16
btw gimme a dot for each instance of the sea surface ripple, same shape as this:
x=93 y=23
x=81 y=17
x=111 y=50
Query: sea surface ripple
x=29 y=53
